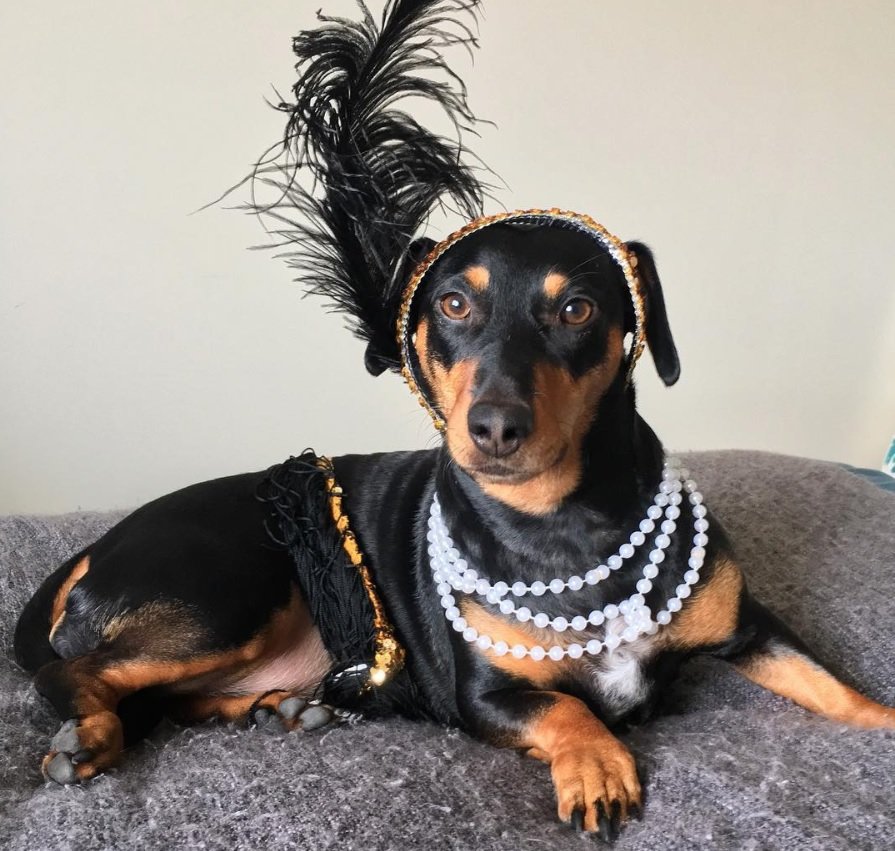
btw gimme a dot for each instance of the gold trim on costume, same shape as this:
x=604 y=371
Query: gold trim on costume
x=617 y=249
x=388 y=654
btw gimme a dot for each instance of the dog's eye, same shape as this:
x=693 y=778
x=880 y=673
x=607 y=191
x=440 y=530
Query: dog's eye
x=455 y=306
x=576 y=312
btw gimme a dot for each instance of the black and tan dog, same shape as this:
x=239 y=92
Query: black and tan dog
x=516 y=336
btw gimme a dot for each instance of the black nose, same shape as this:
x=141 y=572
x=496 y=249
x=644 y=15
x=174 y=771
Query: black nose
x=499 y=429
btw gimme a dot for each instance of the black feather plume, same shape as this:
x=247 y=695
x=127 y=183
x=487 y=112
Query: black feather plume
x=356 y=177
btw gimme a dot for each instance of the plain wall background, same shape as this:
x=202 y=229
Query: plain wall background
x=143 y=348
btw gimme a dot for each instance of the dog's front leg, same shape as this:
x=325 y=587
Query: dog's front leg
x=770 y=654
x=594 y=774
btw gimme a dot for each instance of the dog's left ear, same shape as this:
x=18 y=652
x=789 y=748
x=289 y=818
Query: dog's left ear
x=658 y=332
x=383 y=355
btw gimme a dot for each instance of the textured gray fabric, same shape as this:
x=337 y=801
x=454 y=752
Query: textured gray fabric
x=729 y=767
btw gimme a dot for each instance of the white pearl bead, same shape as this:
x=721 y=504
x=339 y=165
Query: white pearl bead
x=651 y=571
x=493 y=597
x=626 y=551
x=459 y=624
x=654 y=512
x=506 y=606
x=675 y=499
x=538 y=588
x=696 y=498
x=657 y=556
x=695 y=563
x=453 y=554
x=444 y=588
x=610 y=611
x=556 y=653
x=637 y=538
x=636 y=601
x=520 y=651
x=647 y=526
x=501 y=588
x=541 y=620
x=700 y=540
x=668 y=526
x=612 y=641
x=461 y=567
x=662 y=541
x=575 y=651
x=683 y=591
x=699 y=511
x=523 y=614
x=674 y=605
x=672 y=512
x=644 y=586
x=519 y=589
x=602 y=572
x=691 y=577
x=452 y=613
x=447 y=601
x=483 y=642
x=661 y=500
x=470 y=633
x=575 y=583
x=500 y=648
x=690 y=485
x=537 y=652
x=624 y=607
x=560 y=624
x=557 y=586
x=591 y=577
x=579 y=623
x=631 y=633
x=482 y=587
x=614 y=562
x=663 y=617
x=666 y=487
x=467 y=586
x=596 y=618
x=594 y=647
x=697 y=552
x=700 y=525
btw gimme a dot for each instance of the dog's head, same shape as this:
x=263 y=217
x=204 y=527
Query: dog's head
x=518 y=334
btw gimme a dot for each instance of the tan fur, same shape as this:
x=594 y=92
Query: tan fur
x=554 y=284
x=57 y=613
x=805 y=683
x=711 y=616
x=588 y=764
x=478 y=277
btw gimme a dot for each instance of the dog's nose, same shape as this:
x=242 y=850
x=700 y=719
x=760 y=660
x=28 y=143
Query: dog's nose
x=499 y=429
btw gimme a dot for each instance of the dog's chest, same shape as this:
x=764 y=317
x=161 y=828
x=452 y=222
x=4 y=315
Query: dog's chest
x=618 y=678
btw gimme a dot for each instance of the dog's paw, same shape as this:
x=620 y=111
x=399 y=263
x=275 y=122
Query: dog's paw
x=597 y=787
x=293 y=713
x=83 y=748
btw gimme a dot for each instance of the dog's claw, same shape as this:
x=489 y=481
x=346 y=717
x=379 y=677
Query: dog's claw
x=577 y=820
x=604 y=828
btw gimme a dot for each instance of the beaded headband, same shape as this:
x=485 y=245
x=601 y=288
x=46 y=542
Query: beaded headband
x=549 y=218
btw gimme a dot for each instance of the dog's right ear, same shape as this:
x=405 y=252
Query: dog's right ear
x=658 y=331
x=378 y=357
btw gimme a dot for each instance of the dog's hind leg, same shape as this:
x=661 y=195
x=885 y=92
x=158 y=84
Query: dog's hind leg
x=772 y=656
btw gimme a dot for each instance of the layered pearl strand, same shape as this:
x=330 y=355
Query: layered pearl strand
x=625 y=621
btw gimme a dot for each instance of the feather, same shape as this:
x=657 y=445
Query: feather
x=356 y=177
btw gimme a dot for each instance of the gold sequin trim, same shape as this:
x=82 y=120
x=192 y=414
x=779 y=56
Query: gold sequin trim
x=388 y=654
x=616 y=248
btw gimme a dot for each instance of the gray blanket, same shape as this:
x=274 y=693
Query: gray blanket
x=727 y=766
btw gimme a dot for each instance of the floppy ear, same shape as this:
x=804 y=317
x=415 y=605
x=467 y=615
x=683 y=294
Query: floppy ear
x=658 y=332
x=378 y=358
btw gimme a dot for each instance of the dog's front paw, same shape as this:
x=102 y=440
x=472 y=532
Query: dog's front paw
x=83 y=748
x=597 y=787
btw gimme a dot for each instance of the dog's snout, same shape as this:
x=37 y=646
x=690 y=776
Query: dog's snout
x=499 y=429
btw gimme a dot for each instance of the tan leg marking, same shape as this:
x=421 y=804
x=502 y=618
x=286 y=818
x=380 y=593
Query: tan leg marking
x=793 y=676
x=58 y=611
x=588 y=764
x=710 y=617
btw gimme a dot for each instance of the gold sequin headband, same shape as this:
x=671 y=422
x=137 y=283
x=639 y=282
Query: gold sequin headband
x=555 y=218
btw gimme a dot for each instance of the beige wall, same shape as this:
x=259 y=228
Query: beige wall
x=750 y=144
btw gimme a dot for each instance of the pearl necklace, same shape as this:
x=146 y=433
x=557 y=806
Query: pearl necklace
x=622 y=622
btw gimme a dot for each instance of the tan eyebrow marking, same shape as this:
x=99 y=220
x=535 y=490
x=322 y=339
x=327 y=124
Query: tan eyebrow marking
x=554 y=284
x=477 y=277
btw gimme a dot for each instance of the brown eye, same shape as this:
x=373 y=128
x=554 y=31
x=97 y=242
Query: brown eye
x=455 y=306
x=576 y=312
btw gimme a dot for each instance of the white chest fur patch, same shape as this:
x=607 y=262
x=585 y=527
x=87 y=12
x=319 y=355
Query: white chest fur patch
x=619 y=674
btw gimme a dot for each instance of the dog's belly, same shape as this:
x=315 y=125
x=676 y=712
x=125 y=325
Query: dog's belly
x=300 y=668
